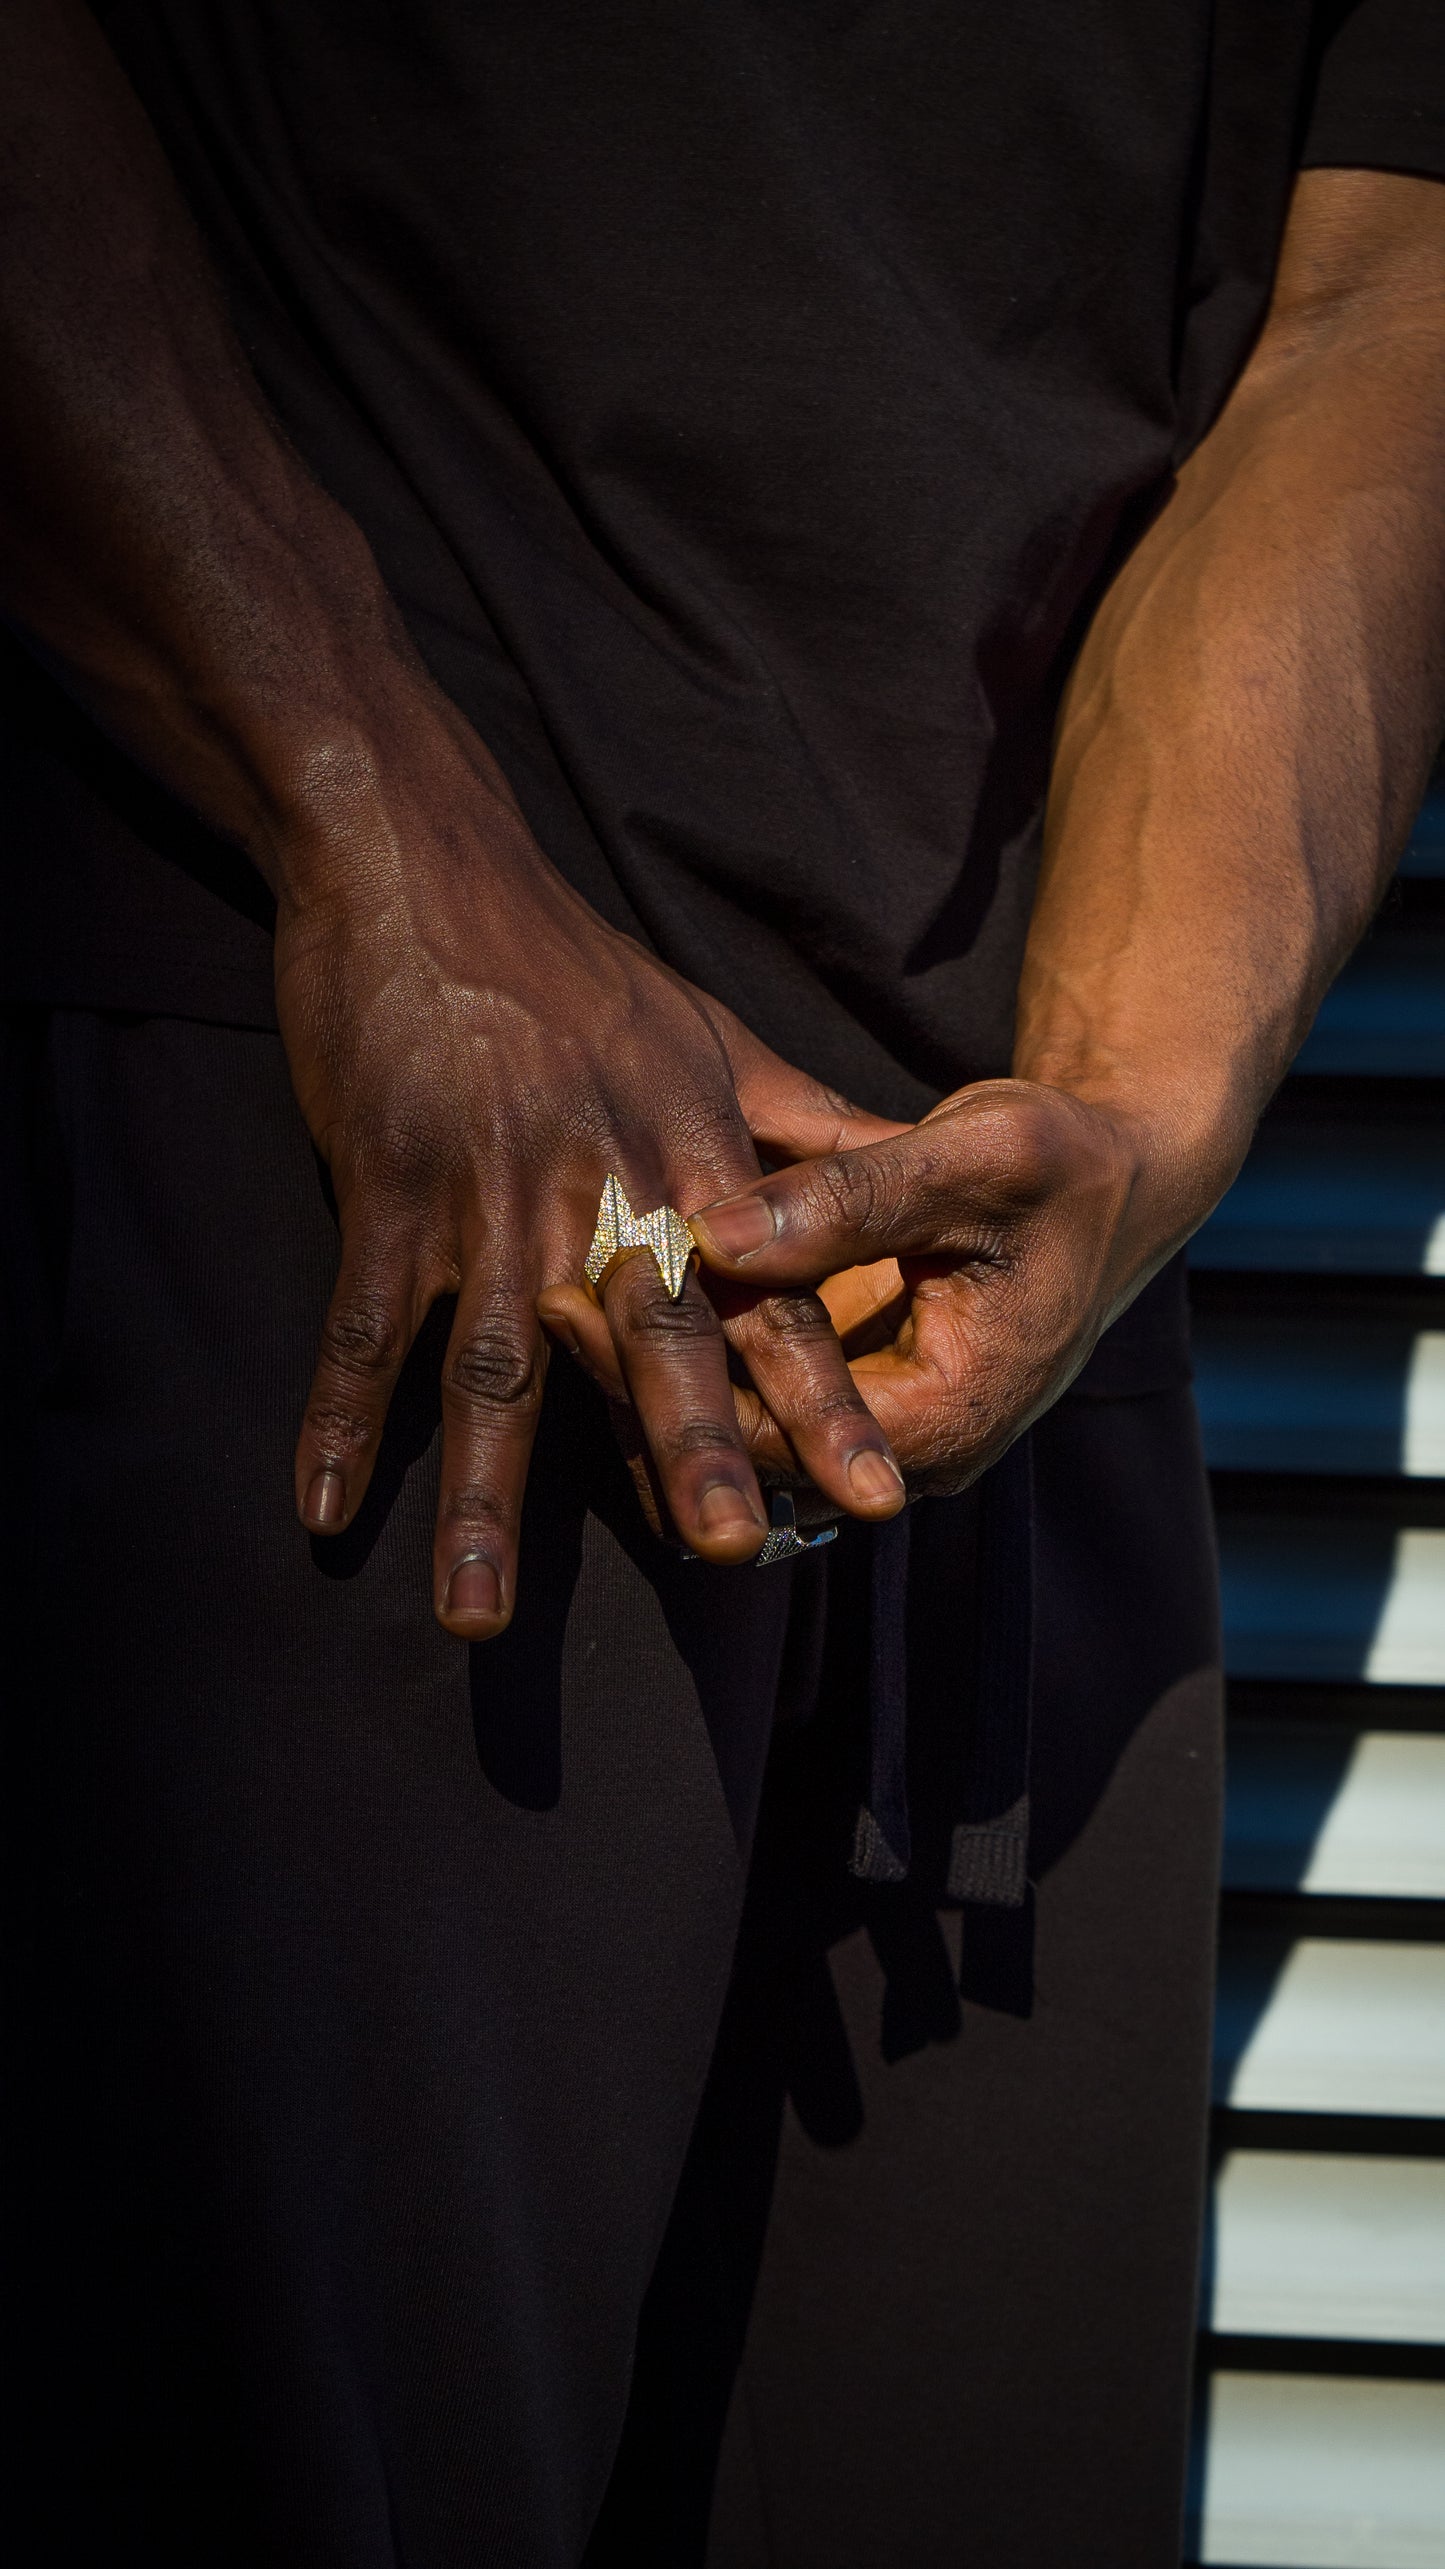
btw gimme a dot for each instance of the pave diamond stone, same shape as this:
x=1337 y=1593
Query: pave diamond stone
x=783 y=1540
x=664 y=1232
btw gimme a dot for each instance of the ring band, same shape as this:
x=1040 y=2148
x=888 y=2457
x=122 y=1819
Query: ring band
x=618 y=1228
x=783 y=1541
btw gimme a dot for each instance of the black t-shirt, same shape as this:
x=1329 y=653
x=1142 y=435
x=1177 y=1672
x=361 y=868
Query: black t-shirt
x=746 y=400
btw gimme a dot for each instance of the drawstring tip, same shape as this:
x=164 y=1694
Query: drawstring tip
x=989 y=1860
x=873 y=1859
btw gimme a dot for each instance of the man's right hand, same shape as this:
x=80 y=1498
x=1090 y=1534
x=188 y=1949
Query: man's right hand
x=474 y=1050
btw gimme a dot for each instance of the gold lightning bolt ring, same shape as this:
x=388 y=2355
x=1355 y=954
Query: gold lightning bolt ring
x=618 y=1229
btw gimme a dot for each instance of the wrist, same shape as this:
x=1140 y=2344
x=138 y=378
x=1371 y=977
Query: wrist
x=1182 y=1073
x=1180 y=1131
x=367 y=796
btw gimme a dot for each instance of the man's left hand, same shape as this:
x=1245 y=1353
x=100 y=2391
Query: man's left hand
x=1022 y=1219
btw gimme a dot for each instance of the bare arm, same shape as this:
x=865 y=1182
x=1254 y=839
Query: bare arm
x=1246 y=736
x=161 y=541
x=473 y=1048
x=1242 y=746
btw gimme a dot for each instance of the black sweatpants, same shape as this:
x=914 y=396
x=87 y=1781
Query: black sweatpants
x=372 y=2185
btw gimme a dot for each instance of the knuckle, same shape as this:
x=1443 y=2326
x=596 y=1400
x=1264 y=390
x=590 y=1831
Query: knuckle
x=1020 y=1140
x=475 y=1507
x=851 y=1188
x=788 y=1332
x=1029 y=1156
x=838 y=1405
x=362 y=1337
x=694 y=1440
x=495 y=1366
x=655 y=1320
x=336 y=1431
x=793 y=1323
x=710 y=1131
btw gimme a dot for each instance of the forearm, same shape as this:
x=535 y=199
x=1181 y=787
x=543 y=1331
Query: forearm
x=162 y=543
x=1246 y=735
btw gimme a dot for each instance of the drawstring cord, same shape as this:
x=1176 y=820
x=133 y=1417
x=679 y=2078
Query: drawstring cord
x=990 y=1855
x=988 y=1861
x=882 y=1843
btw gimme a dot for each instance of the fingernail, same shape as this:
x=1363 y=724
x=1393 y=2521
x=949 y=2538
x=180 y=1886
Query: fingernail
x=740 y=1226
x=474 y=1588
x=726 y=1510
x=324 y=1505
x=875 y=1477
x=565 y=1335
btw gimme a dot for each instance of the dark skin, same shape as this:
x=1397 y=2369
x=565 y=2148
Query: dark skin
x=473 y=1049
x=1243 y=742
x=1241 y=751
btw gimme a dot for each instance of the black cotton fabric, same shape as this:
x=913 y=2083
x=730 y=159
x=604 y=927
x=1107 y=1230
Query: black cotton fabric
x=363 y=1988
x=746 y=403
x=360 y=1988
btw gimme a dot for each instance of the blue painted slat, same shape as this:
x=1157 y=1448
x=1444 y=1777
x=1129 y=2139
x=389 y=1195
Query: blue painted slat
x=1385 y=1016
x=1336 y=1812
x=1317 y=2470
x=1356 y=1196
x=1320 y=1392
x=1425 y=855
x=1333 y=1599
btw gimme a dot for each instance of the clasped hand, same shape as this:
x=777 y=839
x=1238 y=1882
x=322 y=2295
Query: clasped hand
x=472 y=1068
x=474 y=1050
x=968 y=1262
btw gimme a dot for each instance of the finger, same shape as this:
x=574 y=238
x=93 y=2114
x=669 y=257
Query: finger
x=569 y=1314
x=865 y=1304
x=374 y=1313
x=674 y=1363
x=492 y=1381
x=799 y=1371
x=768 y=1448
x=791 y=1115
x=952 y=1185
x=580 y=1325
x=976 y=1361
x=805 y=1414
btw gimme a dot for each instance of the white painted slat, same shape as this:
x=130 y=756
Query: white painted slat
x=1330 y=2025
x=1302 y=1392
x=1312 y=1806
x=1353 y=1196
x=1312 y=2472
x=1333 y=1598
x=1423 y=1443
x=1385 y=1016
x=1319 y=2245
x=1408 y=1648
x=1384 y=1833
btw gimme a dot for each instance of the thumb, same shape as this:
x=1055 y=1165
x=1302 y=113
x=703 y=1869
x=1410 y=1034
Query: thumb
x=843 y=1209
